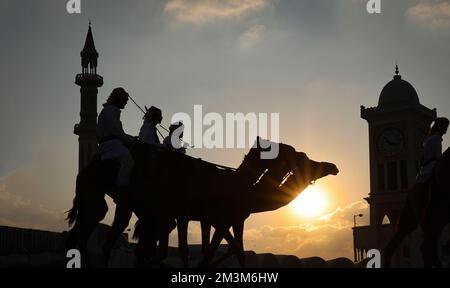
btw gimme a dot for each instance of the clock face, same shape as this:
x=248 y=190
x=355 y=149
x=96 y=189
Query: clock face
x=390 y=142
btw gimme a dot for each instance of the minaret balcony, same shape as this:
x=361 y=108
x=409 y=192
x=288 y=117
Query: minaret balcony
x=89 y=79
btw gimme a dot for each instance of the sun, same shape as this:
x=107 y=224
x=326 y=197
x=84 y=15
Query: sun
x=311 y=203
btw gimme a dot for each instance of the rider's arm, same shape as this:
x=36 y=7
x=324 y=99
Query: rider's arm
x=115 y=128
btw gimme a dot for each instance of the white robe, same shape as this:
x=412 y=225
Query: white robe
x=109 y=125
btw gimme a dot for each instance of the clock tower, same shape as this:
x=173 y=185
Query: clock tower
x=397 y=127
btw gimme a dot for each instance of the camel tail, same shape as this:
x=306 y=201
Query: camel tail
x=72 y=214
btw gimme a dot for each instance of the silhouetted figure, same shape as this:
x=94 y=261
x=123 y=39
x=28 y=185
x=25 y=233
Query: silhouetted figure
x=437 y=214
x=174 y=141
x=432 y=152
x=114 y=145
x=418 y=201
x=148 y=133
x=114 y=142
x=204 y=192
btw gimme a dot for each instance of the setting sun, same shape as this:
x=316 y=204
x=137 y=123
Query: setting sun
x=310 y=203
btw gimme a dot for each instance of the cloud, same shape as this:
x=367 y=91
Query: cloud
x=325 y=241
x=36 y=195
x=202 y=11
x=329 y=237
x=434 y=15
x=343 y=217
x=250 y=37
x=17 y=211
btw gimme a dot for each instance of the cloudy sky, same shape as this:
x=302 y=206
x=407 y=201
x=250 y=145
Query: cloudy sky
x=313 y=61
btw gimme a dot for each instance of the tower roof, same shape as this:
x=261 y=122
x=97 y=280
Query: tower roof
x=398 y=92
x=89 y=46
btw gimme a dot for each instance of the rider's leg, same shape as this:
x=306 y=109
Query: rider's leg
x=206 y=235
x=123 y=175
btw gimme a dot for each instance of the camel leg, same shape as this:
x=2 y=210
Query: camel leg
x=83 y=238
x=215 y=242
x=163 y=246
x=146 y=246
x=122 y=217
x=82 y=230
x=233 y=249
x=145 y=249
x=432 y=231
x=429 y=252
x=219 y=234
x=407 y=223
x=238 y=231
x=72 y=239
x=206 y=235
x=182 y=228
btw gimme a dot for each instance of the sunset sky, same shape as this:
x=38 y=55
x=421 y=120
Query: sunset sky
x=312 y=61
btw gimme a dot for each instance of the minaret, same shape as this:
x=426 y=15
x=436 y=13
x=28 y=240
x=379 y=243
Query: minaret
x=89 y=81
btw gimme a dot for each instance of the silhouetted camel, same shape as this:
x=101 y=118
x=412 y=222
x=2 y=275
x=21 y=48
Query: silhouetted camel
x=225 y=198
x=436 y=216
x=191 y=189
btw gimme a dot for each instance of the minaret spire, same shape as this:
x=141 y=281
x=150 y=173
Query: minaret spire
x=89 y=54
x=89 y=81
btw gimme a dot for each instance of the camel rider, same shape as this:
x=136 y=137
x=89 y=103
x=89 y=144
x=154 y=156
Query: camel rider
x=148 y=133
x=432 y=151
x=113 y=145
x=174 y=141
x=114 y=142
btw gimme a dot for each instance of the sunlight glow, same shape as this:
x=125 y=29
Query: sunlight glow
x=311 y=203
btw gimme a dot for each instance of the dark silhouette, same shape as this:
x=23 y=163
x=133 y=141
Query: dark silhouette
x=436 y=216
x=428 y=203
x=188 y=189
x=89 y=205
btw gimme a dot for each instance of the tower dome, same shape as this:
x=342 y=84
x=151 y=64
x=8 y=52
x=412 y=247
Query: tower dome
x=398 y=91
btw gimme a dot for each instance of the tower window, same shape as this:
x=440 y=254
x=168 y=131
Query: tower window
x=404 y=174
x=381 y=178
x=392 y=175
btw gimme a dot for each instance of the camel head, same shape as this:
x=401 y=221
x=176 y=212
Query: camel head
x=274 y=183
